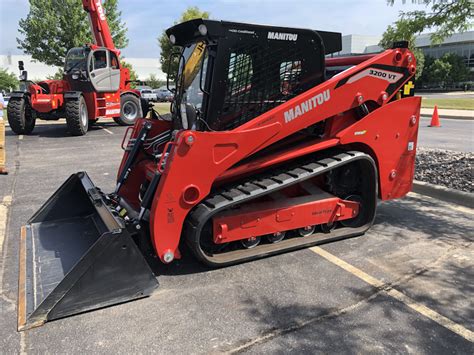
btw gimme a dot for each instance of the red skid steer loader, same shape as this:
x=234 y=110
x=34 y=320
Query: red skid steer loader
x=271 y=147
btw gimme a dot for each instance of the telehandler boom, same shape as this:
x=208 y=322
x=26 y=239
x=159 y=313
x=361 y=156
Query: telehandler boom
x=271 y=146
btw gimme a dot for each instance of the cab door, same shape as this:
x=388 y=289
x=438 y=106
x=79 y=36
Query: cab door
x=114 y=71
x=100 y=71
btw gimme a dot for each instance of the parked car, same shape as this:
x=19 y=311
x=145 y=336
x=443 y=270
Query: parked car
x=6 y=98
x=163 y=95
x=148 y=94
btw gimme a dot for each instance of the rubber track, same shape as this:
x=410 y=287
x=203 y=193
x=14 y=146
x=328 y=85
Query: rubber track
x=275 y=180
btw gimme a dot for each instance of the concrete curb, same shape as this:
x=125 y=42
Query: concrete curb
x=439 y=192
x=445 y=117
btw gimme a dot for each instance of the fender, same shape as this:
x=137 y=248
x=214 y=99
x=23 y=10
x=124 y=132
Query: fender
x=131 y=91
x=392 y=143
x=72 y=95
x=19 y=94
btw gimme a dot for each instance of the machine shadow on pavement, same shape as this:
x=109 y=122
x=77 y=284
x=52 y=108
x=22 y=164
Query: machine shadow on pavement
x=392 y=214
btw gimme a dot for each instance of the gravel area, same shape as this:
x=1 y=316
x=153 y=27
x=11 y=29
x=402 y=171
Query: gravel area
x=445 y=167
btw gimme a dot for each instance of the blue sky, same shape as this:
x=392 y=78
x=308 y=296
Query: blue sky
x=146 y=19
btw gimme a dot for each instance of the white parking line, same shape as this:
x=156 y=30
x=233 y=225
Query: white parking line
x=107 y=130
x=423 y=310
x=7 y=200
x=3 y=225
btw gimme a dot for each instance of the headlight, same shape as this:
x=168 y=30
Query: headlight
x=202 y=29
x=172 y=39
x=75 y=76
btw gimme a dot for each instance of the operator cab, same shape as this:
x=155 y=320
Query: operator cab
x=88 y=69
x=228 y=73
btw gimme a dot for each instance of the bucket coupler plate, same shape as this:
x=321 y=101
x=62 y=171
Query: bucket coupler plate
x=75 y=256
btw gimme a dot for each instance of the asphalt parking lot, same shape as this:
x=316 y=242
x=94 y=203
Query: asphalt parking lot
x=457 y=135
x=404 y=287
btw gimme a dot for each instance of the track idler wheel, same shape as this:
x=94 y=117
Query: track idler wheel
x=251 y=242
x=328 y=227
x=357 y=220
x=306 y=231
x=276 y=237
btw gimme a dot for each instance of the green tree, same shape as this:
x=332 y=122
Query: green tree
x=154 y=82
x=459 y=71
x=52 y=27
x=133 y=73
x=167 y=48
x=446 y=17
x=424 y=78
x=439 y=72
x=8 y=81
x=56 y=76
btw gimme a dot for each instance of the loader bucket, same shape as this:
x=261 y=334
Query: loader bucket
x=75 y=256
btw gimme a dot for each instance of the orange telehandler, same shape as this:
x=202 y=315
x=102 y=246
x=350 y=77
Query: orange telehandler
x=94 y=86
x=271 y=146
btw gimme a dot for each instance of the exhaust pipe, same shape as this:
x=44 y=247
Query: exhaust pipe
x=76 y=256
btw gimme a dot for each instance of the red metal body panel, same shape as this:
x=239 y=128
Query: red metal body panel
x=47 y=102
x=102 y=105
x=277 y=158
x=198 y=160
x=272 y=217
x=390 y=134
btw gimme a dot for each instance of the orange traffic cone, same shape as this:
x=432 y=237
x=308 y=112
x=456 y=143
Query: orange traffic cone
x=435 y=118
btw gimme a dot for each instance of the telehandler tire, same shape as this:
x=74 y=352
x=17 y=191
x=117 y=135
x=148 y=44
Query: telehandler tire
x=77 y=117
x=21 y=116
x=130 y=110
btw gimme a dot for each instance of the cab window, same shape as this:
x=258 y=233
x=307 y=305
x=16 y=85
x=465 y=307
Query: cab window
x=99 y=60
x=114 y=63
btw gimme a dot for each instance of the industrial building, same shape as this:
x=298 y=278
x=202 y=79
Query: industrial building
x=461 y=44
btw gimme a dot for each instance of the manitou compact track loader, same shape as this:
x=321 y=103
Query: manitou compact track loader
x=94 y=86
x=264 y=153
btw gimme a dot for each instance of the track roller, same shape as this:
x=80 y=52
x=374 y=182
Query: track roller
x=250 y=243
x=276 y=237
x=306 y=231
